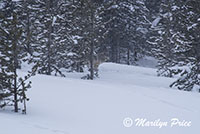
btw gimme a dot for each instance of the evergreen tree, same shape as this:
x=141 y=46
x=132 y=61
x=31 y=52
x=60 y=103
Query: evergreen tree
x=187 y=46
x=51 y=30
x=12 y=86
x=177 y=43
x=127 y=28
x=162 y=41
x=89 y=32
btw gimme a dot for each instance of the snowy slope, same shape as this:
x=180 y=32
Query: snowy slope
x=74 y=106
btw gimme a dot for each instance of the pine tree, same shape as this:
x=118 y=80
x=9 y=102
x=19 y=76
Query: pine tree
x=127 y=28
x=5 y=91
x=177 y=46
x=51 y=30
x=89 y=31
x=12 y=86
x=162 y=41
x=187 y=46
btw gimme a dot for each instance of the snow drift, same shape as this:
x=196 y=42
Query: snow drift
x=74 y=106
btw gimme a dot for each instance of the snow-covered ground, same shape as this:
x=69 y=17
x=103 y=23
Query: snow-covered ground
x=74 y=106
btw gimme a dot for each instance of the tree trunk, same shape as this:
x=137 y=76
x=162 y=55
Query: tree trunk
x=49 y=40
x=15 y=65
x=128 y=56
x=15 y=62
x=15 y=91
x=135 y=56
x=92 y=47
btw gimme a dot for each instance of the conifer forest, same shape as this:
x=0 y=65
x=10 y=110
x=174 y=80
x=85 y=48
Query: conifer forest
x=91 y=52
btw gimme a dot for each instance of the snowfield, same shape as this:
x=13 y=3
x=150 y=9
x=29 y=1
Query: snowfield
x=74 y=106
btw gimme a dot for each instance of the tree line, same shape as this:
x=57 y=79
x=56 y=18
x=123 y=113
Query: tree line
x=53 y=35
